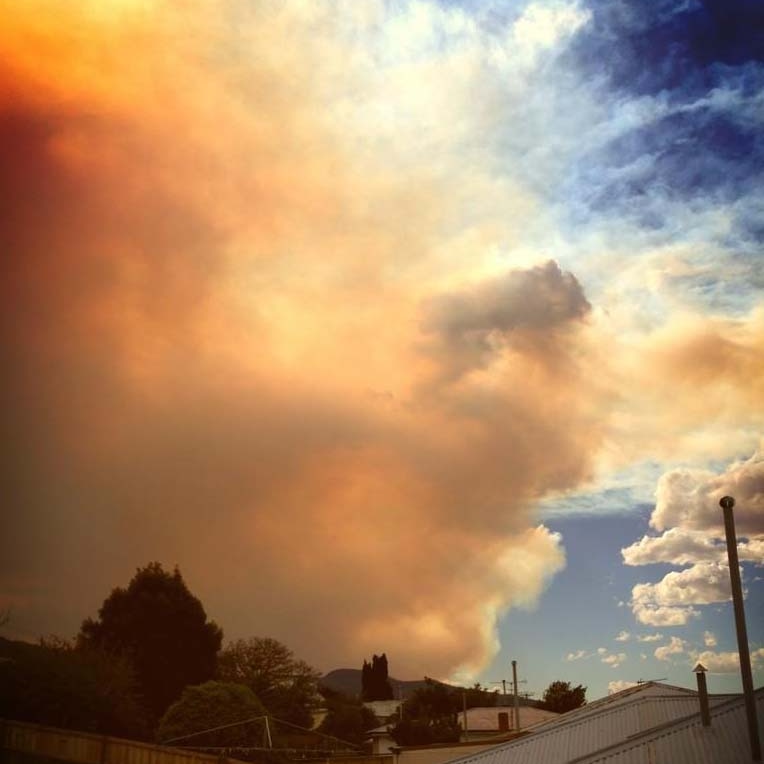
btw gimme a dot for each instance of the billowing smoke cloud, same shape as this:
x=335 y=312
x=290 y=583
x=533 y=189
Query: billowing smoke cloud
x=209 y=362
x=275 y=308
x=527 y=309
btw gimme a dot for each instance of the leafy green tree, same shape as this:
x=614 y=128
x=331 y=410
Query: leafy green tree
x=478 y=697
x=561 y=697
x=56 y=684
x=426 y=731
x=287 y=686
x=429 y=716
x=210 y=705
x=375 y=684
x=346 y=718
x=433 y=700
x=349 y=722
x=162 y=629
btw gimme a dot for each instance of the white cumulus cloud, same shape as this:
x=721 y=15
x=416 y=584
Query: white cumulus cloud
x=614 y=660
x=675 y=647
x=690 y=522
x=726 y=662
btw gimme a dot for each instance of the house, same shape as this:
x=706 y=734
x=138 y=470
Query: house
x=489 y=721
x=382 y=743
x=651 y=722
x=386 y=712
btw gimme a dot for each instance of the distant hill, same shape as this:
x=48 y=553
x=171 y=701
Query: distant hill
x=348 y=681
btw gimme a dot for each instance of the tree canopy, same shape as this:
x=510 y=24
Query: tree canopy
x=374 y=682
x=429 y=716
x=209 y=705
x=561 y=697
x=285 y=685
x=55 y=684
x=162 y=629
x=346 y=718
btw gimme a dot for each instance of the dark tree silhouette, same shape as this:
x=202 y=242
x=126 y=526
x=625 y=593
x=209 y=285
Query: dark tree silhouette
x=209 y=705
x=429 y=716
x=374 y=682
x=55 y=684
x=346 y=718
x=162 y=629
x=561 y=697
x=285 y=685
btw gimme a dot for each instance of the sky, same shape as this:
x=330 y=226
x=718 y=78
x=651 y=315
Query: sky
x=426 y=328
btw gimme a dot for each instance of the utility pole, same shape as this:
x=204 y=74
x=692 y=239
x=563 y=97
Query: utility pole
x=503 y=683
x=727 y=503
x=517 y=700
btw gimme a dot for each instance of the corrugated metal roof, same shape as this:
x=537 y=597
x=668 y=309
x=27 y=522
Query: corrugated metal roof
x=646 y=689
x=686 y=741
x=599 y=725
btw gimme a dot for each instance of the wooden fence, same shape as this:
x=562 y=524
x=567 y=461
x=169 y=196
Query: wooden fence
x=22 y=742
x=25 y=743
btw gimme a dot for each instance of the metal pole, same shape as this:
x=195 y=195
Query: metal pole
x=517 y=702
x=727 y=503
x=464 y=706
x=268 y=733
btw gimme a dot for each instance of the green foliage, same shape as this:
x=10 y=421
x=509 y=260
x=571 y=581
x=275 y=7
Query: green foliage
x=478 y=697
x=426 y=731
x=374 y=682
x=561 y=697
x=285 y=685
x=430 y=715
x=162 y=629
x=433 y=700
x=214 y=704
x=56 y=684
x=348 y=721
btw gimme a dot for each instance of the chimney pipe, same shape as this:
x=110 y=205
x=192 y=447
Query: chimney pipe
x=700 y=674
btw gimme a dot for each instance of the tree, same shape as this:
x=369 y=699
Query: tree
x=479 y=697
x=374 y=682
x=561 y=697
x=429 y=716
x=56 y=684
x=346 y=718
x=162 y=629
x=285 y=685
x=209 y=705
